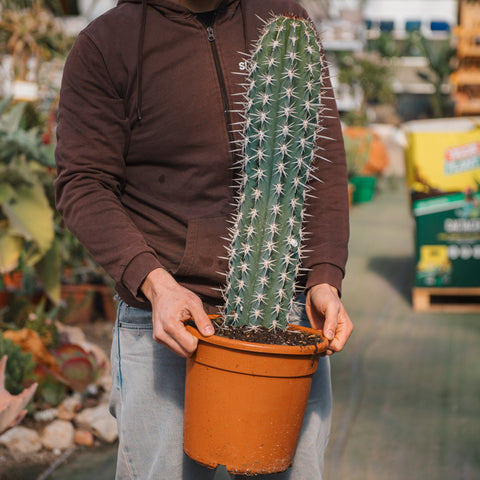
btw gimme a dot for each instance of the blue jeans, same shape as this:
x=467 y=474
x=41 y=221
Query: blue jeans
x=147 y=400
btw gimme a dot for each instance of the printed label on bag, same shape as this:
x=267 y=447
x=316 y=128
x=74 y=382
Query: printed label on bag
x=463 y=158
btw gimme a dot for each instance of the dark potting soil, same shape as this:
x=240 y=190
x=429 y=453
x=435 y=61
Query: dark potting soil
x=264 y=335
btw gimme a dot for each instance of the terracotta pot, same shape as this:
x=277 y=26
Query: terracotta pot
x=4 y=298
x=80 y=302
x=13 y=280
x=108 y=304
x=245 y=402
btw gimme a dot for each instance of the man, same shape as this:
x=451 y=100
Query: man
x=144 y=156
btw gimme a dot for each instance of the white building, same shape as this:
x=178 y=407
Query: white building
x=347 y=25
x=433 y=15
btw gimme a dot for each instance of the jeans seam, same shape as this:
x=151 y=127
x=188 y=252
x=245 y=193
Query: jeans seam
x=120 y=381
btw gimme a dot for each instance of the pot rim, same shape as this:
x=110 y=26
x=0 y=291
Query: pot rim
x=264 y=347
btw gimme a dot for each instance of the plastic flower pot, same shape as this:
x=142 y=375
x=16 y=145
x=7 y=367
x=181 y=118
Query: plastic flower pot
x=364 y=188
x=245 y=402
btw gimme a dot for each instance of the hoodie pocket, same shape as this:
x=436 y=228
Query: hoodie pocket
x=204 y=246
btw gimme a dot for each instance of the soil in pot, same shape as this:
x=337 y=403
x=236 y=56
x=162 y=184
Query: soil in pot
x=291 y=337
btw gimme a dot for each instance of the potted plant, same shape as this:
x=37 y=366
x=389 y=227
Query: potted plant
x=85 y=287
x=26 y=200
x=60 y=362
x=251 y=383
x=30 y=35
x=366 y=157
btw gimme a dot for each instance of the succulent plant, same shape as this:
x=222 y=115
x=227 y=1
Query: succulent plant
x=78 y=367
x=280 y=128
x=19 y=369
x=12 y=407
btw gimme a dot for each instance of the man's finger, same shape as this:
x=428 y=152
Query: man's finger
x=201 y=320
x=177 y=339
x=331 y=320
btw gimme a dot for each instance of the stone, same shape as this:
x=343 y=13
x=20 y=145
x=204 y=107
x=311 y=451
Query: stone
x=100 y=421
x=105 y=381
x=70 y=333
x=45 y=415
x=69 y=407
x=58 y=435
x=21 y=439
x=83 y=437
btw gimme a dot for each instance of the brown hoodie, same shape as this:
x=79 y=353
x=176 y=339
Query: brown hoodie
x=144 y=155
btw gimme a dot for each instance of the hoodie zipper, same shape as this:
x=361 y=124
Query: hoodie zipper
x=221 y=81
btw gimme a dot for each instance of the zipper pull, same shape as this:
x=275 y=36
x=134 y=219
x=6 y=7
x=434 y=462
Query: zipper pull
x=211 y=36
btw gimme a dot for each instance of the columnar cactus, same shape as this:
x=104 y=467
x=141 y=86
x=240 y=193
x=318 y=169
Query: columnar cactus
x=280 y=127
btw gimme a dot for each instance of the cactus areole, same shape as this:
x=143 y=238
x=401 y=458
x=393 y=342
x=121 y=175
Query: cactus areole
x=280 y=127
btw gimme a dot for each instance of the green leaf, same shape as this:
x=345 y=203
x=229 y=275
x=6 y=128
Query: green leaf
x=10 y=250
x=10 y=121
x=6 y=192
x=48 y=272
x=4 y=104
x=31 y=217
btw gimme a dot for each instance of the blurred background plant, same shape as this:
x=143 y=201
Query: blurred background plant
x=440 y=62
x=27 y=227
x=371 y=73
x=41 y=350
x=31 y=34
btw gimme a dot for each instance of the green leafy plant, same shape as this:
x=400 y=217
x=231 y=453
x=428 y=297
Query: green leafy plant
x=51 y=388
x=370 y=73
x=279 y=134
x=439 y=58
x=26 y=199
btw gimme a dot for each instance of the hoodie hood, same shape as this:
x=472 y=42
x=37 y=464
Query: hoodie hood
x=168 y=9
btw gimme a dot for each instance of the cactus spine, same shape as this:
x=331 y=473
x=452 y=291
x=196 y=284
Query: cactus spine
x=279 y=131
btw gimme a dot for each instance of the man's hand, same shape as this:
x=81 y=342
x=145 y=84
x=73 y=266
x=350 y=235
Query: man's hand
x=326 y=312
x=172 y=306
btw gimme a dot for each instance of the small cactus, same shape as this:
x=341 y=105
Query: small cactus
x=280 y=127
x=12 y=407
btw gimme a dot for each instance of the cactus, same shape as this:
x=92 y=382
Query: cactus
x=12 y=407
x=19 y=369
x=280 y=128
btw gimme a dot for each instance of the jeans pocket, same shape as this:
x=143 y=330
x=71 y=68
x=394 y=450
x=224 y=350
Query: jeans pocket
x=132 y=318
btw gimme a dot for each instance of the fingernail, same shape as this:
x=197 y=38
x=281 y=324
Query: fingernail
x=330 y=334
x=208 y=330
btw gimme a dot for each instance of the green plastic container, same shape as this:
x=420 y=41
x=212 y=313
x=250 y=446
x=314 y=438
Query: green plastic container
x=364 y=188
x=448 y=241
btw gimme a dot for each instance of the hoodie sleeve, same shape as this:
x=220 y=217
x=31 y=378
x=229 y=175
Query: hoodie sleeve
x=92 y=138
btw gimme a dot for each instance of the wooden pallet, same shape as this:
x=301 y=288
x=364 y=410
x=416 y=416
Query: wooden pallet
x=449 y=299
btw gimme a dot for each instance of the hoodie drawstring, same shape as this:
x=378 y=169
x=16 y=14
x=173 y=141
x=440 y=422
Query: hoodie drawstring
x=141 y=39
